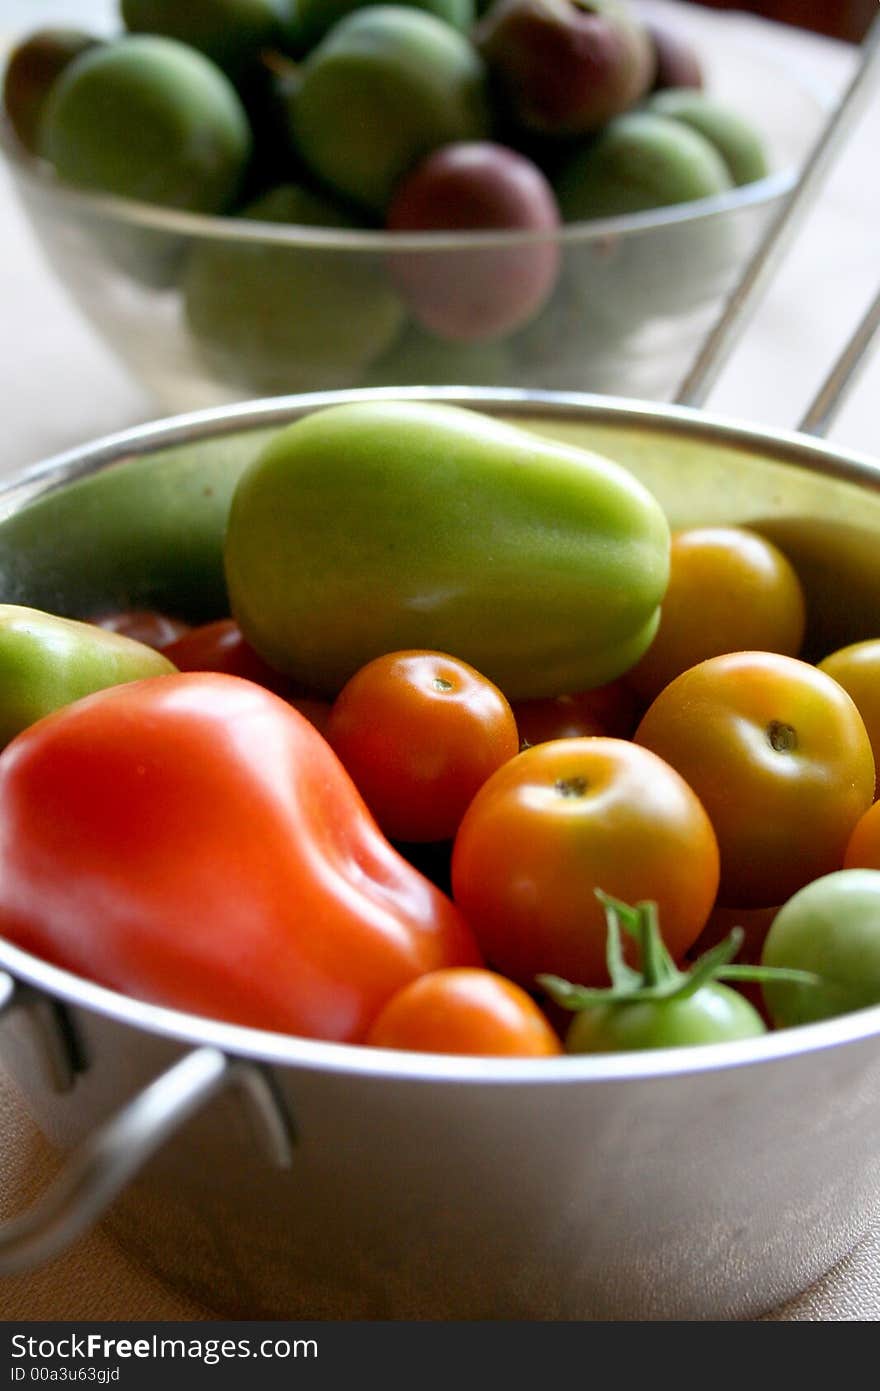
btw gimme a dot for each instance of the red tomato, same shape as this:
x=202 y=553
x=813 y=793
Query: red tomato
x=153 y=629
x=220 y=646
x=611 y=710
x=193 y=841
x=561 y=820
x=465 y=1010
x=729 y=590
x=420 y=732
x=780 y=758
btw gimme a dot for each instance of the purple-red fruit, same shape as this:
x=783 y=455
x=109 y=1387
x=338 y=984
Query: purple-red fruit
x=31 y=72
x=677 y=61
x=566 y=66
x=478 y=293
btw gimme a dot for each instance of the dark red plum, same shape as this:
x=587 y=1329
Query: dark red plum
x=565 y=66
x=482 y=293
x=31 y=72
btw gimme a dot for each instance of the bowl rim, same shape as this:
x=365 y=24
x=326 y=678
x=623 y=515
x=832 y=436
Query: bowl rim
x=350 y=1060
x=599 y=231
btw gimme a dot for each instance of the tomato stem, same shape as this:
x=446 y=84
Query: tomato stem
x=658 y=977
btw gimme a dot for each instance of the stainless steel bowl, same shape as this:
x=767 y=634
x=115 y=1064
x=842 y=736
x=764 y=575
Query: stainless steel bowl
x=711 y=1182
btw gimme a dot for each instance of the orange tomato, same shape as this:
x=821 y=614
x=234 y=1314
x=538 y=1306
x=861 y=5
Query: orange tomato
x=729 y=591
x=561 y=820
x=419 y=733
x=779 y=756
x=465 y=1010
x=863 y=848
x=857 y=669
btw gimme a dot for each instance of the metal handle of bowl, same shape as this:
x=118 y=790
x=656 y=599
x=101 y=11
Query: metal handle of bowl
x=110 y=1158
x=767 y=258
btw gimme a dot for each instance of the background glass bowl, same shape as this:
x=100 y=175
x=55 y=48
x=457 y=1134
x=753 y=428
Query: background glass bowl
x=209 y=310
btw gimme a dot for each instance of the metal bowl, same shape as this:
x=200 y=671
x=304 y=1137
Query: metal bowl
x=711 y=1182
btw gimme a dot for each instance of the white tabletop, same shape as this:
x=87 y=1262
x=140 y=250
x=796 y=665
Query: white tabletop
x=61 y=387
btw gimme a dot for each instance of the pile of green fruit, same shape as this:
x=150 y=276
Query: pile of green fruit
x=416 y=116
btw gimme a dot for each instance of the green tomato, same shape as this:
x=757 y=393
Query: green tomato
x=830 y=927
x=713 y=1014
x=376 y=526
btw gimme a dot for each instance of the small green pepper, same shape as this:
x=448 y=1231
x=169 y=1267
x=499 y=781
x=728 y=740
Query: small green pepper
x=47 y=662
x=376 y=526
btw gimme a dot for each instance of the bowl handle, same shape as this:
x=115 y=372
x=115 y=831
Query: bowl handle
x=105 y=1162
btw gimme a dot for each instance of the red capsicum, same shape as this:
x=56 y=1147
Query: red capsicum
x=191 y=840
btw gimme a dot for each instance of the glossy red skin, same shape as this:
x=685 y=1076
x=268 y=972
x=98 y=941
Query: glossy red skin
x=192 y=841
x=607 y=710
x=221 y=646
x=153 y=629
x=474 y=1012
x=476 y=186
x=417 y=753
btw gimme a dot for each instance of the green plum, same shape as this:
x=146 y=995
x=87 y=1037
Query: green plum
x=386 y=87
x=639 y=161
x=312 y=19
x=232 y=33
x=148 y=118
x=278 y=318
x=33 y=68
x=735 y=139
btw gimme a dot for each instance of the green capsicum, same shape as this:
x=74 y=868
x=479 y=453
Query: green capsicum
x=371 y=527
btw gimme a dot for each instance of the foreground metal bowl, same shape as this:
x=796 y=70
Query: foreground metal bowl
x=703 y=1183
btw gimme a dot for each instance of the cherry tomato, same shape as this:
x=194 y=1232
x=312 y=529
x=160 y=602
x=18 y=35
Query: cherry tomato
x=713 y=1014
x=561 y=820
x=420 y=732
x=220 y=646
x=153 y=629
x=465 y=1010
x=611 y=710
x=857 y=669
x=863 y=847
x=831 y=927
x=780 y=758
x=729 y=591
